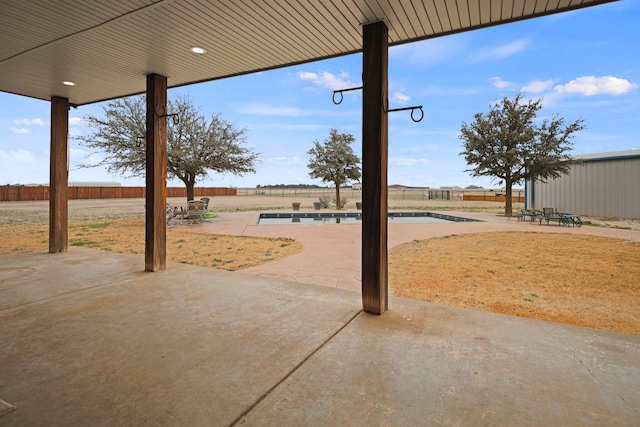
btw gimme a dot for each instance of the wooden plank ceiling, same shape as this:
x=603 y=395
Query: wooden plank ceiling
x=106 y=47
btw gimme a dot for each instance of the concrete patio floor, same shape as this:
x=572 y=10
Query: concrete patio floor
x=89 y=338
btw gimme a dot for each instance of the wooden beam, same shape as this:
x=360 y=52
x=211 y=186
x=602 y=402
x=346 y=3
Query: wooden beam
x=374 y=168
x=156 y=184
x=59 y=176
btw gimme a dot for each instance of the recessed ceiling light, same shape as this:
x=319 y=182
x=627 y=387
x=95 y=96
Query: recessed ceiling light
x=197 y=49
x=67 y=83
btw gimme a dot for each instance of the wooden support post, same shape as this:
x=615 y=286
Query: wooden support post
x=59 y=176
x=156 y=184
x=374 y=168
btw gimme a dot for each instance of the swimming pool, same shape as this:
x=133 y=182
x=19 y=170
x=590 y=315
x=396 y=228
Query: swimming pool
x=355 y=218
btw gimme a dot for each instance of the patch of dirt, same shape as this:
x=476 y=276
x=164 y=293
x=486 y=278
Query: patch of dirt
x=574 y=279
x=127 y=236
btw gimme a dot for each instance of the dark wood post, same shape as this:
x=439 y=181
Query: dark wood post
x=374 y=168
x=59 y=176
x=156 y=184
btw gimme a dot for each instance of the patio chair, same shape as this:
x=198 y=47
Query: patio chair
x=206 y=202
x=526 y=214
x=195 y=212
x=552 y=214
x=170 y=214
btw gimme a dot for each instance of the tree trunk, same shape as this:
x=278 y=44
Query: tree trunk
x=508 y=209
x=191 y=183
x=338 y=204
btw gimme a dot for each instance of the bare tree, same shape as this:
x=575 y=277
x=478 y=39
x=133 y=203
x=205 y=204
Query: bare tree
x=334 y=161
x=195 y=146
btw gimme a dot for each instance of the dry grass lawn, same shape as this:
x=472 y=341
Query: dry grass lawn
x=574 y=279
x=127 y=236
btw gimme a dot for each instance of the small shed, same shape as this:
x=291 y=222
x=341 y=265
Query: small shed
x=602 y=185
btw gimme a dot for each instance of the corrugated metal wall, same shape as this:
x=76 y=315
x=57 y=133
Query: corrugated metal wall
x=604 y=187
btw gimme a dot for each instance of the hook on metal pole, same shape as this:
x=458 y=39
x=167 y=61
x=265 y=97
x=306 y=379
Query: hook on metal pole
x=174 y=116
x=413 y=109
x=386 y=104
x=341 y=96
x=333 y=98
x=421 y=113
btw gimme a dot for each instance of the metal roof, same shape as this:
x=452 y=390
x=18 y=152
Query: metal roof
x=106 y=47
x=611 y=155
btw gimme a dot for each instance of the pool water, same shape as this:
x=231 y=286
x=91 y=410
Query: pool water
x=355 y=218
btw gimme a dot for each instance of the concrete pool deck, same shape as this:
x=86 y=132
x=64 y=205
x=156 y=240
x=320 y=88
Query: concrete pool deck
x=332 y=255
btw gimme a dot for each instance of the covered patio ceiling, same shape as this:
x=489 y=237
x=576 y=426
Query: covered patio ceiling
x=106 y=47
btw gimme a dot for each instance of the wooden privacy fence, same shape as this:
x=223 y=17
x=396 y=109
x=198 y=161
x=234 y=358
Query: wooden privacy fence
x=21 y=193
x=487 y=198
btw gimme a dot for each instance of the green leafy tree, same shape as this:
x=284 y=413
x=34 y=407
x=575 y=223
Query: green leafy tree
x=334 y=161
x=195 y=146
x=507 y=144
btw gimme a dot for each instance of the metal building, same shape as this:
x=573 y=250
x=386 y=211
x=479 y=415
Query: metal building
x=603 y=185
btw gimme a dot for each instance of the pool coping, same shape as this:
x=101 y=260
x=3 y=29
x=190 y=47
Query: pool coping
x=413 y=214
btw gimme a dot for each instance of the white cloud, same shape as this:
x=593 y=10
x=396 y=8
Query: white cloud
x=537 y=86
x=77 y=126
x=284 y=160
x=265 y=109
x=501 y=84
x=78 y=156
x=282 y=126
x=500 y=52
x=270 y=110
x=19 y=131
x=430 y=52
x=29 y=122
x=23 y=166
x=400 y=98
x=17 y=156
x=76 y=152
x=328 y=80
x=592 y=85
x=407 y=161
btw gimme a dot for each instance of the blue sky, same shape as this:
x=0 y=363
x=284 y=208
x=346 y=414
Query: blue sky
x=584 y=64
